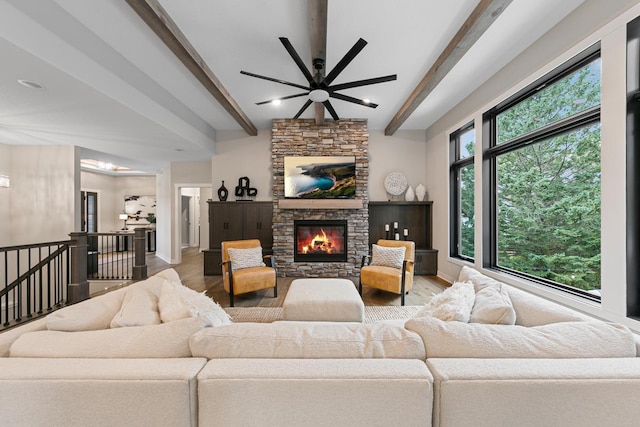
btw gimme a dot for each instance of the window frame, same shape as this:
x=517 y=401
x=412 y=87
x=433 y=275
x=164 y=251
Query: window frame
x=456 y=165
x=491 y=150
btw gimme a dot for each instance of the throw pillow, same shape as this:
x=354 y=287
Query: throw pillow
x=139 y=308
x=169 y=274
x=245 y=258
x=92 y=314
x=590 y=339
x=492 y=305
x=387 y=256
x=452 y=304
x=179 y=302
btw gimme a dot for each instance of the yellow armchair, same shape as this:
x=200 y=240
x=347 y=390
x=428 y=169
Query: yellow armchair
x=252 y=276
x=397 y=279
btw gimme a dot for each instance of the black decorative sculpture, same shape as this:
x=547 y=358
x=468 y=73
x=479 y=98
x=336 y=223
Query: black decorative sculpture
x=223 y=193
x=243 y=189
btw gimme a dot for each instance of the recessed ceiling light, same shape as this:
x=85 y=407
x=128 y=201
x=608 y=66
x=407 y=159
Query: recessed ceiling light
x=276 y=102
x=30 y=84
x=366 y=101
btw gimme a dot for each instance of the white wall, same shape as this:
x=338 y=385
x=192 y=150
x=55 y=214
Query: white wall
x=45 y=192
x=205 y=194
x=591 y=22
x=403 y=152
x=239 y=155
x=5 y=197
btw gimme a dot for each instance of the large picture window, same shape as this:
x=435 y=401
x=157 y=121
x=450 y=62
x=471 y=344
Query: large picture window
x=542 y=160
x=462 y=146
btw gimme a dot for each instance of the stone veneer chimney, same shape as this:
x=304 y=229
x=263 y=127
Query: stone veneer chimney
x=302 y=137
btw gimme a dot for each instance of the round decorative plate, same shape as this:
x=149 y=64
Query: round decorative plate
x=395 y=183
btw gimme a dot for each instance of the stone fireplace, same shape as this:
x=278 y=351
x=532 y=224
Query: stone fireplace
x=320 y=241
x=302 y=137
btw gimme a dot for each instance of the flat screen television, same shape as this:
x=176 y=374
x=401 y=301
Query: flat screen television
x=320 y=177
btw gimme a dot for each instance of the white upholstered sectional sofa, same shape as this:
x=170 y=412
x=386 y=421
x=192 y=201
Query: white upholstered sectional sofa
x=119 y=360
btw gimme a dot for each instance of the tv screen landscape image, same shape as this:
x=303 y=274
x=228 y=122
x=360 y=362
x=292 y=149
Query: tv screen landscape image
x=320 y=177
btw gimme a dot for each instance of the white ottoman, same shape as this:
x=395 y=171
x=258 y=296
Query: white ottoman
x=333 y=300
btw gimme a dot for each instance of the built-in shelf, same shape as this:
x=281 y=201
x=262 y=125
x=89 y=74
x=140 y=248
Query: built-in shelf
x=320 y=204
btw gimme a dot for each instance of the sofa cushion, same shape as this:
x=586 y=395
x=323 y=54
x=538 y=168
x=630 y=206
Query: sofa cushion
x=387 y=256
x=179 y=302
x=139 y=308
x=92 y=314
x=307 y=340
x=559 y=340
x=164 y=340
x=492 y=305
x=452 y=304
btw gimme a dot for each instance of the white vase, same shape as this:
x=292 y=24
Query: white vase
x=409 y=196
x=421 y=192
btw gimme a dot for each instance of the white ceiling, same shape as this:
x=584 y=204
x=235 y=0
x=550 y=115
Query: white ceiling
x=113 y=88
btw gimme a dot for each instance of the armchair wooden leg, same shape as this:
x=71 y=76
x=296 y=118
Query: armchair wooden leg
x=360 y=287
x=230 y=299
x=275 y=290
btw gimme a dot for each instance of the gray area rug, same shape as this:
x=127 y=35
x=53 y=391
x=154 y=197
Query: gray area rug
x=272 y=314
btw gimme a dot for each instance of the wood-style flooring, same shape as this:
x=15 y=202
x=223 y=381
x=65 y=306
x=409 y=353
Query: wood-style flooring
x=191 y=272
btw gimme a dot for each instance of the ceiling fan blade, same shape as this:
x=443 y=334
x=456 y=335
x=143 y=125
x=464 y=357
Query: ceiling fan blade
x=352 y=99
x=296 y=58
x=364 y=82
x=360 y=44
x=271 y=79
x=330 y=109
x=283 y=98
x=304 y=107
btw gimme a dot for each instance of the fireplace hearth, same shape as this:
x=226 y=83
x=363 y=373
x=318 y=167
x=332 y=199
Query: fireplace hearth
x=320 y=241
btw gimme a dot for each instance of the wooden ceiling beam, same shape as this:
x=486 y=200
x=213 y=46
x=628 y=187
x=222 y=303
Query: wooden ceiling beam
x=482 y=17
x=318 y=33
x=154 y=15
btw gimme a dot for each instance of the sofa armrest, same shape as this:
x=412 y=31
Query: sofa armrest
x=7 y=338
x=118 y=392
x=536 y=392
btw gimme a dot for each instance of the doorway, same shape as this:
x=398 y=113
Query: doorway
x=185 y=221
x=89 y=212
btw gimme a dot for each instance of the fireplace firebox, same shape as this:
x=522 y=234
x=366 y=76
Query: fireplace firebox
x=320 y=241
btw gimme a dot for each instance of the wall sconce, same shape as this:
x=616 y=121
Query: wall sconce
x=5 y=182
x=123 y=216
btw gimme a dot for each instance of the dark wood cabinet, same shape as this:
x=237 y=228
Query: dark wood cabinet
x=236 y=221
x=416 y=217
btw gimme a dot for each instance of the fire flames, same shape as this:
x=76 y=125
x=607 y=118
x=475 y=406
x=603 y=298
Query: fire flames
x=319 y=244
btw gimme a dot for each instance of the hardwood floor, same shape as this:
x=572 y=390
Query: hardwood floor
x=191 y=272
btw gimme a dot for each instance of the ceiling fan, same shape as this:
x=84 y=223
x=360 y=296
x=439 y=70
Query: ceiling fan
x=319 y=88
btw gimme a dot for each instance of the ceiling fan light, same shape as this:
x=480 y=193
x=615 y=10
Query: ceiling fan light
x=318 y=95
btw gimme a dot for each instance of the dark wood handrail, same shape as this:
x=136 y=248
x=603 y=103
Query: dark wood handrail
x=36 y=267
x=35 y=245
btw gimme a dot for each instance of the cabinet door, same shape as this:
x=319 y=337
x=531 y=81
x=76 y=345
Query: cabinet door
x=225 y=223
x=257 y=223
